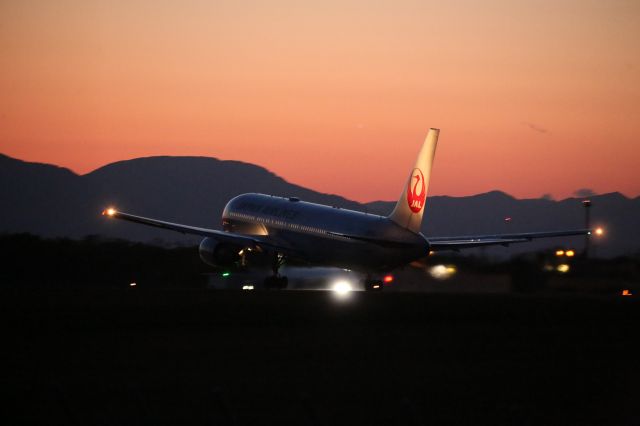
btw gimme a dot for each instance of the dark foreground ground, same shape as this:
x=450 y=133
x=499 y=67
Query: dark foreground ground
x=156 y=357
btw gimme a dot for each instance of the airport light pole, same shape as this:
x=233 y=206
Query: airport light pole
x=587 y=223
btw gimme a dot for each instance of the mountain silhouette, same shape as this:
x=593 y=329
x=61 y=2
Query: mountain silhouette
x=52 y=201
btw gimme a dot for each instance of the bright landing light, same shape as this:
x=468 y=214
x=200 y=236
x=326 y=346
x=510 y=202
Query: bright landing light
x=442 y=272
x=342 y=288
x=109 y=212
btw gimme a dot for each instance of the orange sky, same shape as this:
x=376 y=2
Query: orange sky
x=532 y=97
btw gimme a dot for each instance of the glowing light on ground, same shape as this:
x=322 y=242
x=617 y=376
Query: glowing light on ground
x=442 y=272
x=342 y=288
x=563 y=268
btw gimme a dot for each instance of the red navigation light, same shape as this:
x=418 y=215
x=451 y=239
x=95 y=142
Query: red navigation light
x=387 y=279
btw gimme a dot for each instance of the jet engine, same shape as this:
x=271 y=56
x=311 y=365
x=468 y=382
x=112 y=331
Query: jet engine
x=215 y=253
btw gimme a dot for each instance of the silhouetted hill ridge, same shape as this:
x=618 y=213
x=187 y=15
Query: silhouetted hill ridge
x=11 y=167
x=53 y=201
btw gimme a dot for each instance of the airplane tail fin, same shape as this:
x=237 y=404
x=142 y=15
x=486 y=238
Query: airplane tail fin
x=410 y=207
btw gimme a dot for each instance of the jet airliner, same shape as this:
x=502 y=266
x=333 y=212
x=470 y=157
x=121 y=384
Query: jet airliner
x=288 y=228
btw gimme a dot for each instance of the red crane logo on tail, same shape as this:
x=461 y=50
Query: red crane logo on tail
x=416 y=191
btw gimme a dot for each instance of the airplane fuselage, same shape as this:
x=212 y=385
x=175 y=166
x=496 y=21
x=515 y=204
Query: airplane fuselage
x=325 y=235
x=287 y=228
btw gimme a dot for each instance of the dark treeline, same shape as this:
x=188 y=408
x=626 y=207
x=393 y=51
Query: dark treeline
x=33 y=261
x=544 y=271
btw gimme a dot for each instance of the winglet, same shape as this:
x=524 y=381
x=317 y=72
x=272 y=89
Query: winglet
x=410 y=207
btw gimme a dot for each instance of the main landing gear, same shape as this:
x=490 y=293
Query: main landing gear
x=276 y=281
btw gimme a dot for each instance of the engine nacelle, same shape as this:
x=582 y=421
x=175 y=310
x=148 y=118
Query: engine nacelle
x=215 y=253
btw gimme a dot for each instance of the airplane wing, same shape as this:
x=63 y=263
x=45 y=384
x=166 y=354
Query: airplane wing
x=228 y=237
x=381 y=242
x=456 y=243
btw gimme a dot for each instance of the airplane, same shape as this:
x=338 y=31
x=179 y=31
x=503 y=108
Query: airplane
x=283 y=228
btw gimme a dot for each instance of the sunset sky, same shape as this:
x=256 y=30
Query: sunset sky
x=531 y=97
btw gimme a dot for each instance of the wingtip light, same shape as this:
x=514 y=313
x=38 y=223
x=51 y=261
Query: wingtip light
x=109 y=212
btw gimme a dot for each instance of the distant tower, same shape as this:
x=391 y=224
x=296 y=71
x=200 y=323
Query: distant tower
x=587 y=224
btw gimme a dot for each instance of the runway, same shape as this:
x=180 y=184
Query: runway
x=168 y=356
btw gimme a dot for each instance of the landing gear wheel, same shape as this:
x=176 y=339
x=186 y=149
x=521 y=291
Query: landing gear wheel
x=268 y=283
x=276 y=283
x=284 y=282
